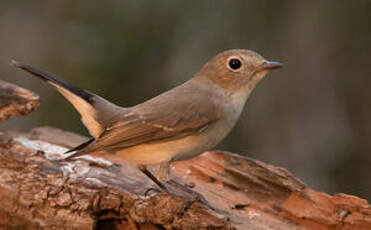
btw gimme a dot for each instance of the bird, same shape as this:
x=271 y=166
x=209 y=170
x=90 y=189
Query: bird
x=178 y=124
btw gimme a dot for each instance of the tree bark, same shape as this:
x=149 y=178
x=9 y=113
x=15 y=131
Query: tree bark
x=15 y=100
x=38 y=192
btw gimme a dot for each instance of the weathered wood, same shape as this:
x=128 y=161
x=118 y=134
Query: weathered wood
x=15 y=100
x=38 y=192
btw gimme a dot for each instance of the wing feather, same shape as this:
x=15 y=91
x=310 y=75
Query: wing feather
x=176 y=114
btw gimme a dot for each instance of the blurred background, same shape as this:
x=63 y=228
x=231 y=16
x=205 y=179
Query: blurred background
x=312 y=117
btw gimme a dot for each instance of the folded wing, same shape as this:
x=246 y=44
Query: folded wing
x=170 y=116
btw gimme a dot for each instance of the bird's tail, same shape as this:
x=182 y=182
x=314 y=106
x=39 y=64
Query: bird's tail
x=96 y=112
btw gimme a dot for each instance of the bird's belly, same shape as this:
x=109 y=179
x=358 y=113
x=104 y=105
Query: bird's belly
x=175 y=150
x=155 y=153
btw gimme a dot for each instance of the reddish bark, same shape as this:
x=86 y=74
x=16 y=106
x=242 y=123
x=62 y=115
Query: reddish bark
x=37 y=192
x=15 y=100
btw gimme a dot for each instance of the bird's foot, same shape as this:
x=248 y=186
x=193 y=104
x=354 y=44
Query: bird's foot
x=152 y=189
x=177 y=189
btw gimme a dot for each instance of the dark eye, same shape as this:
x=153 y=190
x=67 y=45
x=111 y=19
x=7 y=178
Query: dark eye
x=234 y=64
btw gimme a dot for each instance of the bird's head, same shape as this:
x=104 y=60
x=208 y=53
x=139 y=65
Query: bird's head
x=236 y=71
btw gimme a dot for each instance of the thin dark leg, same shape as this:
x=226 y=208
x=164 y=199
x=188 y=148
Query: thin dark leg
x=195 y=195
x=152 y=177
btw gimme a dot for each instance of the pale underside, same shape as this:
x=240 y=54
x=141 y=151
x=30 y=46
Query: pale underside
x=170 y=127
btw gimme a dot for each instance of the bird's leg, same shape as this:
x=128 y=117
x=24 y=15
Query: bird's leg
x=144 y=169
x=163 y=175
x=164 y=171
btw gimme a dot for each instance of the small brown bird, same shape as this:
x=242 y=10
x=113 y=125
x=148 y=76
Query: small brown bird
x=176 y=125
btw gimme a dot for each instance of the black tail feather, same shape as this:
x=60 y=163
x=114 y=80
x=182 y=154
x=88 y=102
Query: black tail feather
x=46 y=76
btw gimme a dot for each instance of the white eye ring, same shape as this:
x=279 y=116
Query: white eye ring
x=234 y=63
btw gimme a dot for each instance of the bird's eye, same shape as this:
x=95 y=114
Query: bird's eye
x=234 y=64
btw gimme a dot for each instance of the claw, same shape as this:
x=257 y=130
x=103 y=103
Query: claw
x=149 y=190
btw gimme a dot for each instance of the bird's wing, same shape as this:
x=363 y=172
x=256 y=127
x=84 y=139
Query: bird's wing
x=172 y=117
x=96 y=112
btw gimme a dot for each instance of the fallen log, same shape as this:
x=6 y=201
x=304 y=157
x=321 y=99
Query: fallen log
x=15 y=100
x=39 y=192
